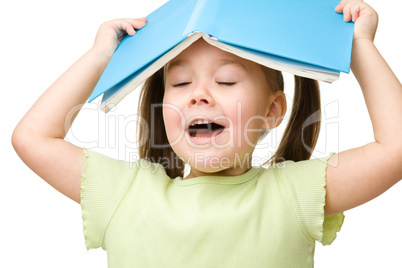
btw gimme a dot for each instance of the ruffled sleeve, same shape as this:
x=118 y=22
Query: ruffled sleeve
x=305 y=183
x=104 y=183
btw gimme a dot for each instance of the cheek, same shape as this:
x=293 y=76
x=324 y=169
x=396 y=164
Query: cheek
x=174 y=121
x=252 y=122
x=251 y=131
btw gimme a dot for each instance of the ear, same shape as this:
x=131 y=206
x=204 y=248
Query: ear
x=276 y=109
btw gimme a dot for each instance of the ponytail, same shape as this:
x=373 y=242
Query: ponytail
x=301 y=134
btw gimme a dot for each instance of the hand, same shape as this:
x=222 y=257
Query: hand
x=110 y=33
x=363 y=15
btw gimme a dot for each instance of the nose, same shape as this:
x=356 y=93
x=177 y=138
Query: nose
x=194 y=101
x=201 y=95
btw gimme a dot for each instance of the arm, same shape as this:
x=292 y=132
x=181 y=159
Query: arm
x=364 y=173
x=39 y=137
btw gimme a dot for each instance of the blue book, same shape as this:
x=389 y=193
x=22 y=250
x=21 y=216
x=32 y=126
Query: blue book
x=304 y=37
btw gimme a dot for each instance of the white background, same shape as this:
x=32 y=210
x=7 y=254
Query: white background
x=40 y=227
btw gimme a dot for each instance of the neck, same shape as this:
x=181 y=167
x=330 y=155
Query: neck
x=232 y=171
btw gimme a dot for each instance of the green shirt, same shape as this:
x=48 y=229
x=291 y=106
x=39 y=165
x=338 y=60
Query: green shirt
x=262 y=218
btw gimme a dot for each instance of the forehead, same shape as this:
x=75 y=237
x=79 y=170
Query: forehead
x=202 y=51
x=218 y=62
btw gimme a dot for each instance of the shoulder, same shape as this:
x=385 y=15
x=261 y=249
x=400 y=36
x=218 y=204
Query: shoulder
x=105 y=183
x=103 y=164
x=305 y=187
x=312 y=170
x=113 y=175
x=304 y=181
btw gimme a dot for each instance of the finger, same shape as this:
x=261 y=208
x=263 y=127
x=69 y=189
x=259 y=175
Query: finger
x=124 y=27
x=355 y=12
x=340 y=6
x=347 y=16
x=128 y=27
x=137 y=23
x=131 y=25
x=130 y=30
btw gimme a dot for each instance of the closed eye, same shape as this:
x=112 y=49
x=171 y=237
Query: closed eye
x=226 y=83
x=181 y=84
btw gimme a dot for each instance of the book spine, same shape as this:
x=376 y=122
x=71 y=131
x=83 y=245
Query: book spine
x=194 y=17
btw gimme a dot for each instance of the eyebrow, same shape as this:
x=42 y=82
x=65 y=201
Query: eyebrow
x=174 y=63
x=223 y=62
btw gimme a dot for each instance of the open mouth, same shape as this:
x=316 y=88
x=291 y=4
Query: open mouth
x=204 y=129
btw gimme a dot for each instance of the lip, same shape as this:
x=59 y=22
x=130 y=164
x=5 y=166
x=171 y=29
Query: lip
x=202 y=118
x=203 y=141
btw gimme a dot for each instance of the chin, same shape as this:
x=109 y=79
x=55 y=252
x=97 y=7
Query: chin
x=206 y=171
x=208 y=167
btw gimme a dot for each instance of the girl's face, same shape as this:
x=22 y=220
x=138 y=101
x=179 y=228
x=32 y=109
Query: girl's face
x=214 y=107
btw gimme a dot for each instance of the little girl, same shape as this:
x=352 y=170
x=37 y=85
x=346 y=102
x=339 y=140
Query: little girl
x=215 y=107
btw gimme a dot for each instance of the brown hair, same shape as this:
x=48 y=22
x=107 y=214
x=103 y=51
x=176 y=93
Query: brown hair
x=301 y=133
x=154 y=144
x=297 y=144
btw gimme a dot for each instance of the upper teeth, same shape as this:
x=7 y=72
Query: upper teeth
x=198 y=122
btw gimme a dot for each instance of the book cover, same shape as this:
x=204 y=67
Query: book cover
x=304 y=37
